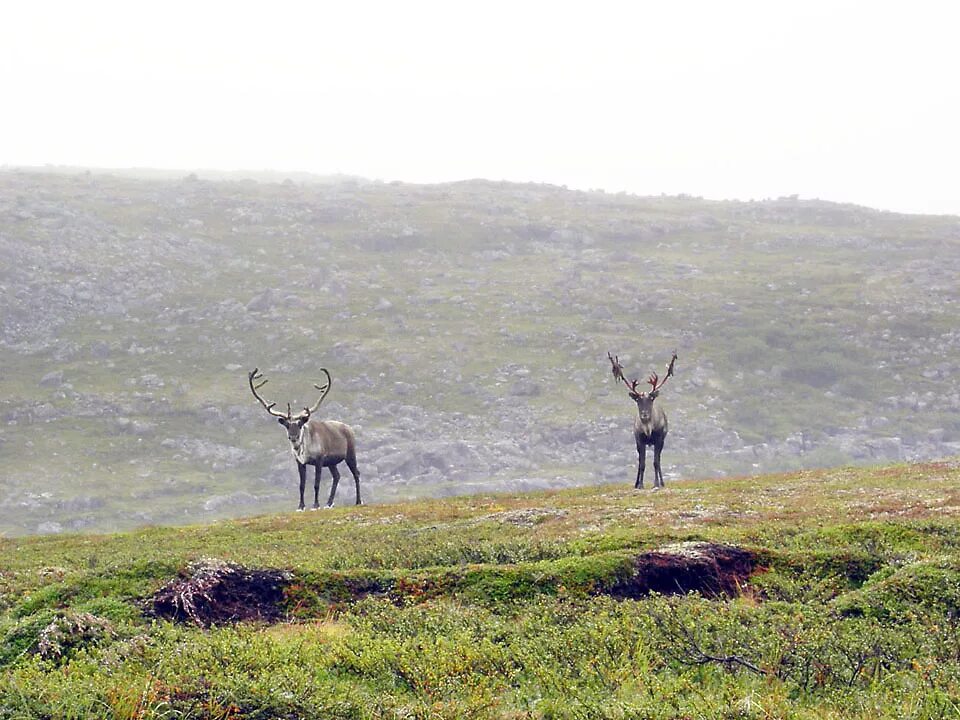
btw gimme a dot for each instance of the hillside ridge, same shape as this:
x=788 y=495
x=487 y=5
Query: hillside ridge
x=466 y=326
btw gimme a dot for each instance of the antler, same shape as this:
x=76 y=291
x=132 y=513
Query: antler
x=325 y=390
x=617 y=369
x=255 y=374
x=655 y=381
x=307 y=411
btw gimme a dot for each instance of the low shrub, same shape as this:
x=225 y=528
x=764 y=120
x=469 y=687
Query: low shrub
x=922 y=588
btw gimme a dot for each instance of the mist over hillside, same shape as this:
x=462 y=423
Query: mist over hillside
x=466 y=326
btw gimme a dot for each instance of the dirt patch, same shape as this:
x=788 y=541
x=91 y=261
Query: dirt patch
x=214 y=592
x=707 y=568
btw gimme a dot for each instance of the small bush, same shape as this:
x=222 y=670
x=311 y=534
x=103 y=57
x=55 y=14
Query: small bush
x=113 y=609
x=922 y=588
x=21 y=635
x=851 y=567
x=70 y=632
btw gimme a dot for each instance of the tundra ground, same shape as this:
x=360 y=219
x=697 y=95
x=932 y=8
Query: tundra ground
x=502 y=606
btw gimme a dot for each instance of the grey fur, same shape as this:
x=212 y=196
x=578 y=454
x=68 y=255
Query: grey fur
x=650 y=427
x=321 y=443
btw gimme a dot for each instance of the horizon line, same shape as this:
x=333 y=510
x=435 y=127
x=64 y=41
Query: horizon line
x=305 y=175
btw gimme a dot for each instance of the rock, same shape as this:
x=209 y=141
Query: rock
x=99 y=350
x=81 y=504
x=151 y=381
x=526 y=517
x=267 y=300
x=237 y=499
x=526 y=388
x=889 y=448
x=52 y=379
x=403 y=463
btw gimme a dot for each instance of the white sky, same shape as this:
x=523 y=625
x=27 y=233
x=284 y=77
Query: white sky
x=846 y=101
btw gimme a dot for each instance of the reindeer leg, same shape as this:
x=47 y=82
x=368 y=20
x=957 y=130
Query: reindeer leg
x=333 y=485
x=657 y=472
x=302 y=469
x=316 y=488
x=352 y=464
x=642 y=465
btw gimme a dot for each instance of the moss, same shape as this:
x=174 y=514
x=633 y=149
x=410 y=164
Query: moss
x=922 y=588
x=442 y=609
x=310 y=592
x=125 y=583
x=878 y=537
x=853 y=567
x=19 y=637
x=493 y=584
x=114 y=609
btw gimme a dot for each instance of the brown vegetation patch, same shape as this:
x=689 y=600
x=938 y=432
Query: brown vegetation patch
x=215 y=592
x=710 y=569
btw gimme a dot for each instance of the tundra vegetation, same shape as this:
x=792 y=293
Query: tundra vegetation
x=506 y=606
x=468 y=324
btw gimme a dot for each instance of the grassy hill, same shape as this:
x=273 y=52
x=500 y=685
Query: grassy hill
x=466 y=326
x=518 y=606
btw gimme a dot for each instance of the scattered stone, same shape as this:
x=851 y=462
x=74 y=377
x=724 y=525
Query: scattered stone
x=52 y=379
x=237 y=499
x=51 y=573
x=526 y=517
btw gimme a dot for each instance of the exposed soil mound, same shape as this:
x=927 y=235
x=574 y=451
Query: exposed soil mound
x=215 y=592
x=707 y=568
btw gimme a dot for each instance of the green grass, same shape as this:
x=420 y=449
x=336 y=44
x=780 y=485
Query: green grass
x=496 y=606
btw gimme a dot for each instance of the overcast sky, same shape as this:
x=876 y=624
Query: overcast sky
x=846 y=101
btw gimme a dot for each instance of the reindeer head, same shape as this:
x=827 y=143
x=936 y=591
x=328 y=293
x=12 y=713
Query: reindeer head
x=644 y=400
x=293 y=423
x=294 y=426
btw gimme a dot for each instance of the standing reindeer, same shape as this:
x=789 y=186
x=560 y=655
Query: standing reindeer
x=650 y=427
x=321 y=443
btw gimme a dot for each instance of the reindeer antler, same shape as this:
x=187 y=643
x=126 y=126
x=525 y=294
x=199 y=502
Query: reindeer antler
x=654 y=380
x=616 y=367
x=618 y=375
x=325 y=390
x=255 y=374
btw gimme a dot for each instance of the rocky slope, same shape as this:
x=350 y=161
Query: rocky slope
x=466 y=326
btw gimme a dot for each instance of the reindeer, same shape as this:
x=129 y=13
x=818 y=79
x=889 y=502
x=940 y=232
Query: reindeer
x=650 y=427
x=321 y=443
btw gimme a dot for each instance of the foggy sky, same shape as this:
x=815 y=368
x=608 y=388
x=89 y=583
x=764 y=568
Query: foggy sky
x=846 y=101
